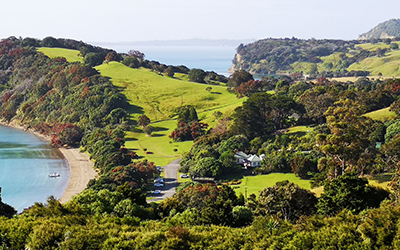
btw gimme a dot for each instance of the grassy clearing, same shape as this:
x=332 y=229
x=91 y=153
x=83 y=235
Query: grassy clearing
x=157 y=96
x=381 y=114
x=257 y=183
x=299 y=130
x=381 y=180
x=69 y=54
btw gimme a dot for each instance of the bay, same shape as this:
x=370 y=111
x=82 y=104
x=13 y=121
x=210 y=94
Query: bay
x=25 y=165
x=209 y=58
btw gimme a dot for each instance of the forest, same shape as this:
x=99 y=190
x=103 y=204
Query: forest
x=78 y=107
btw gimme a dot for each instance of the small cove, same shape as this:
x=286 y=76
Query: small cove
x=25 y=163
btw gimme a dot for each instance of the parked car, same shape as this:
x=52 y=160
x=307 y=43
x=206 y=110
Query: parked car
x=159 y=179
x=157 y=192
x=159 y=169
x=184 y=176
x=158 y=184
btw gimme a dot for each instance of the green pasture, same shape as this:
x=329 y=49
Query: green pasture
x=162 y=149
x=157 y=96
x=299 y=130
x=381 y=114
x=372 y=47
x=257 y=183
x=69 y=54
x=388 y=65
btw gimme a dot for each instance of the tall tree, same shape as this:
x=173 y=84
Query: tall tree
x=263 y=114
x=349 y=134
x=285 y=200
x=349 y=192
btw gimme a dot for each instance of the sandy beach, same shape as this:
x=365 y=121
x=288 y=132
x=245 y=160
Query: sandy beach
x=81 y=170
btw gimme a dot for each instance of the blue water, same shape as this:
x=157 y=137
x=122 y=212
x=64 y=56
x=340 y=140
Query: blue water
x=25 y=163
x=209 y=58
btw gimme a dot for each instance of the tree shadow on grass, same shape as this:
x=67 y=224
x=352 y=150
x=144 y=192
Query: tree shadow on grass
x=158 y=129
x=157 y=135
x=383 y=177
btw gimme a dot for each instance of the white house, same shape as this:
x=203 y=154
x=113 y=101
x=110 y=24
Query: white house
x=240 y=157
x=254 y=161
x=247 y=160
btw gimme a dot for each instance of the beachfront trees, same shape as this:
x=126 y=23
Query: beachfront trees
x=5 y=209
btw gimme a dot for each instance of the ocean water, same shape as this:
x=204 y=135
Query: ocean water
x=209 y=58
x=25 y=163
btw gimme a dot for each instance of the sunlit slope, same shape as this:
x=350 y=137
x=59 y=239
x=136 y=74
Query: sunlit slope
x=157 y=96
x=69 y=54
x=381 y=114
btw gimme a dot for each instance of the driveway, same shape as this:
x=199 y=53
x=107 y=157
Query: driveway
x=170 y=181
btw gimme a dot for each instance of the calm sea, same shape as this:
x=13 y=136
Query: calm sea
x=25 y=163
x=209 y=58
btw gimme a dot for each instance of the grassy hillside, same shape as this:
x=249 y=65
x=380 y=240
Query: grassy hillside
x=381 y=114
x=69 y=54
x=157 y=96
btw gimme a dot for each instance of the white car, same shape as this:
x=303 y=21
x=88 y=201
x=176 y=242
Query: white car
x=157 y=192
x=184 y=176
x=159 y=185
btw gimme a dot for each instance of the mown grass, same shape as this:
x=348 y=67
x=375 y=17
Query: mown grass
x=299 y=130
x=69 y=54
x=381 y=114
x=257 y=183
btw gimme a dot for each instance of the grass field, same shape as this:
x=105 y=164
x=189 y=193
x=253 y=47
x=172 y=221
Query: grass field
x=69 y=54
x=381 y=114
x=157 y=96
x=388 y=65
x=257 y=183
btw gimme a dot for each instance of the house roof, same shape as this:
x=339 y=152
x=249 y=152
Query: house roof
x=241 y=155
x=254 y=158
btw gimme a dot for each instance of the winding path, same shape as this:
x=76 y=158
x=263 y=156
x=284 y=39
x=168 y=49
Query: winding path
x=170 y=181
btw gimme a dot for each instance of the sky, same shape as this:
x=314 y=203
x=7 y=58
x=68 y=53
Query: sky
x=143 y=20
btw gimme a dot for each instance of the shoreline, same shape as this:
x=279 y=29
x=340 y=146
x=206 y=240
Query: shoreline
x=81 y=172
x=80 y=167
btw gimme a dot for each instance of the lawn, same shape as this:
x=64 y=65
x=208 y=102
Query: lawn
x=69 y=54
x=381 y=114
x=257 y=183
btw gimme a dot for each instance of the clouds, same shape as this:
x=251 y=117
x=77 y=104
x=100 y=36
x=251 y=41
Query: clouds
x=134 y=20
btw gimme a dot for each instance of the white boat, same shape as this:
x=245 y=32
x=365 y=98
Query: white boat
x=54 y=175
